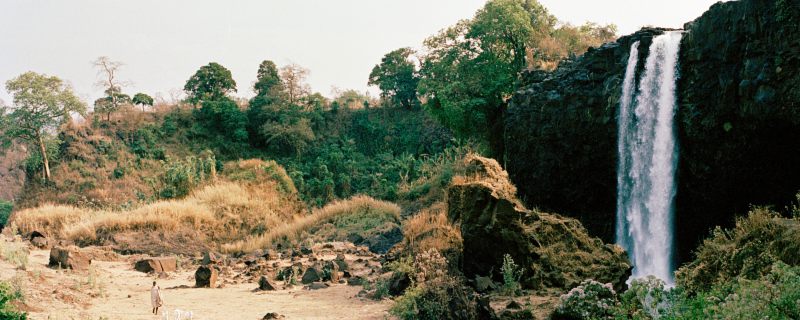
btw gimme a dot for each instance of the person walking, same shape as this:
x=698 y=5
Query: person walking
x=155 y=297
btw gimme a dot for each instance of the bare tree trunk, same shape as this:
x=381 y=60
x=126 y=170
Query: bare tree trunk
x=44 y=158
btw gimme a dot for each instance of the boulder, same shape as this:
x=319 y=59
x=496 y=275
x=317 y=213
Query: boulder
x=340 y=261
x=312 y=274
x=265 y=285
x=211 y=258
x=330 y=272
x=39 y=242
x=206 y=277
x=68 y=258
x=484 y=284
x=398 y=283
x=552 y=251
x=157 y=265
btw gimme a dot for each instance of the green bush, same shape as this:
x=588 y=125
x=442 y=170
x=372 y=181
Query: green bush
x=589 y=300
x=434 y=294
x=180 y=177
x=5 y=212
x=511 y=275
x=646 y=298
x=8 y=295
x=747 y=251
x=775 y=295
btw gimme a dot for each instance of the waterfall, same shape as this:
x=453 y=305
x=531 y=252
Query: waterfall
x=648 y=159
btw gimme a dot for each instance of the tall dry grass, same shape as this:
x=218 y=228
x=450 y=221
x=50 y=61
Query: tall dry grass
x=358 y=207
x=222 y=212
x=430 y=229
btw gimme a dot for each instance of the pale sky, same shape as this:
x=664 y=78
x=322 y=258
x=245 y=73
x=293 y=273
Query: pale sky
x=163 y=42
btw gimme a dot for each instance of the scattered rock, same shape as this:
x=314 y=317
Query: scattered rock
x=157 y=264
x=311 y=275
x=272 y=315
x=39 y=242
x=484 y=284
x=398 y=283
x=206 y=277
x=211 y=258
x=341 y=262
x=356 y=281
x=317 y=286
x=306 y=250
x=69 y=258
x=265 y=285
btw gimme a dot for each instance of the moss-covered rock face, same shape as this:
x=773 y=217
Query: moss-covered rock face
x=738 y=121
x=554 y=252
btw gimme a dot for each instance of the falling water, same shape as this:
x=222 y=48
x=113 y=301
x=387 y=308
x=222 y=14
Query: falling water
x=647 y=159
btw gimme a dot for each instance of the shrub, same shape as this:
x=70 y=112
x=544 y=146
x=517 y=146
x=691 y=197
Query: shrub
x=511 y=275
x=772 y=296
x=181 y=177
x=434 y=294
x=7 y=296
x=645 y=298
x=589 y=300
x=5 y=212
x=16 y=253
x=747 y=251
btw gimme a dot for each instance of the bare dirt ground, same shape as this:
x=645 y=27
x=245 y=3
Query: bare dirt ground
x=114 y=290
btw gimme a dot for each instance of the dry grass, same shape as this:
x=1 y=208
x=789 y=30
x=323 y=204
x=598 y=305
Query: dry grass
x=362 y=208
x=219 y=213
x=430 y=229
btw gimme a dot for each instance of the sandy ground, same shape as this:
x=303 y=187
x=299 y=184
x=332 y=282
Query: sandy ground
x=113 y=290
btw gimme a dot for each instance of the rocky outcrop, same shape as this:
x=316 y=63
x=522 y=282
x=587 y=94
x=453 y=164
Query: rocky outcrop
x=206 y=277
x=738 y=122
x=561 y=142
x=69 y=258
x=157 y=265
x=553 y=251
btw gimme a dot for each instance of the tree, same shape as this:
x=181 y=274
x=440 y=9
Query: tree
x=41 y=104
x=397 y=78
x=294 y=77
x=107 y=70
x=142 y=100
x=268 y=82
x=211 y=82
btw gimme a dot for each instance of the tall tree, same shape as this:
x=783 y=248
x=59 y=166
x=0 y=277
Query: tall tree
x=470 y=69
x=294 y=80
x=142 y=99
x=211 y=82
x=108 y=79
x=41 y=104
x=397 y=78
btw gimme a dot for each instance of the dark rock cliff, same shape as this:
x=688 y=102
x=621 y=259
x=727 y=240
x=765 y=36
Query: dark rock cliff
x=738 y=120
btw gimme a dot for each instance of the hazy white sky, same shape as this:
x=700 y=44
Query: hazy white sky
x=163 y=42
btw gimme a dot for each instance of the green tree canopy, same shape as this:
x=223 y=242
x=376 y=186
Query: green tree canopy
x=211 y=82
x=142 y=99
x=397 y=78
x=471 y=69
x=41 y=104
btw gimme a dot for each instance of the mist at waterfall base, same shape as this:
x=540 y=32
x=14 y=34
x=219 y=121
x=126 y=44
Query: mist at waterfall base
x=648 y=157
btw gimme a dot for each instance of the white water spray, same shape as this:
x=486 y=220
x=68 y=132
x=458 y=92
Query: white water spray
x=648 y=158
